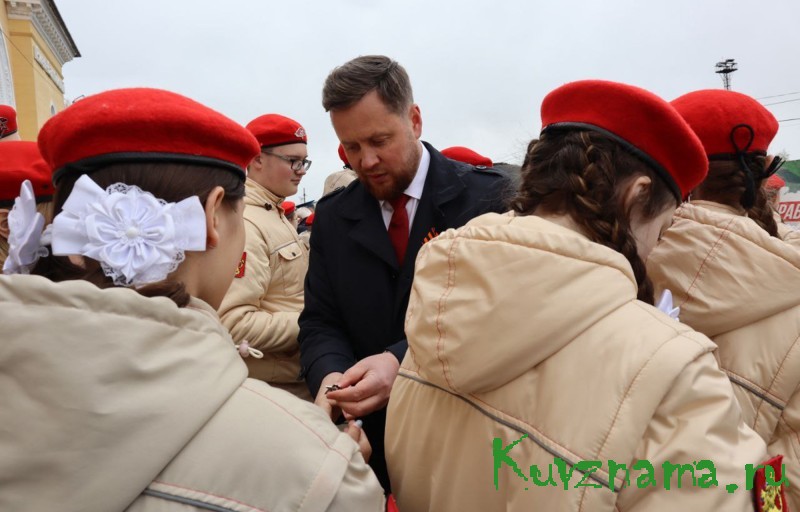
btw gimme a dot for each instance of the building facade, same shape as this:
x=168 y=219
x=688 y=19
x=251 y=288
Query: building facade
x=34 y=46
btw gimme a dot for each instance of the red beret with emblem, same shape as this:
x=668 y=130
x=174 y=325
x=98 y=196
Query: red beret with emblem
x=277 y=130
x=343 y=157
x=727 y=122
x=143 y=125
x=467 y=156
x=310 y=219
x=8 y=121
x=640 y=121
x=20 y=161
x=288 y=207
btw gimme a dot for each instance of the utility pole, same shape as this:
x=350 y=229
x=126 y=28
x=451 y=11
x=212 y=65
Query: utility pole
x=725 y=68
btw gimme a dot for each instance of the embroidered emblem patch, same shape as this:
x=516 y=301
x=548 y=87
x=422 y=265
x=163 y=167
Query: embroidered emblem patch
x=300 y=133
x=242 y=263
x=769 y=485
x=430 y=236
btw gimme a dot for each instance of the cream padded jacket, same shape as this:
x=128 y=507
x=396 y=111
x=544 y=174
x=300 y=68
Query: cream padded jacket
x=520 y=329
x=741 y=287
x=265 y=299
x=112 y=401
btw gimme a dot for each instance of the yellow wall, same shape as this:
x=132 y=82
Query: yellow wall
x=34 y=90
x=4 y=20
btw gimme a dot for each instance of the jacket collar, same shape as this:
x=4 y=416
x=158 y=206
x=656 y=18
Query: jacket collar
x=257 y=195
x=717 y=207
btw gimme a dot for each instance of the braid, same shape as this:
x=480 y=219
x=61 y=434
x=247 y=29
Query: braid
x=725 y=184
x=597 y=213
x=762 y=213
x=3 y=250
x=579 y=173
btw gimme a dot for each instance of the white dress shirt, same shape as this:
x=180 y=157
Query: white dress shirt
x=414 y=192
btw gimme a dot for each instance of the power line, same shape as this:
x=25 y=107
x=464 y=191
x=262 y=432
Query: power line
x=779 y=102
x=791 y=119
x=778 y=95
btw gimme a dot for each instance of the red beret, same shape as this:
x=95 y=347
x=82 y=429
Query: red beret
x=715 y=114
x=467 y=156
x=288 y=207
x=343 y=157
x=8 y=122
x=136 y=125
x=310 y=219
x=277 y=130
x=775 y=182
x=638 y=119
x=20 y=161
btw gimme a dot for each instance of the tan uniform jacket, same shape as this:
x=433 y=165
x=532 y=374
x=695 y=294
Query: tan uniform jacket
x=741 y=287
x=338 y=179
x=111 y=401
x=520 y=329
x=787 y=233
x=265 y=300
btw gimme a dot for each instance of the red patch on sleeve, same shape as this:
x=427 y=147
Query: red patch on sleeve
x=242 y=264
x=769 y=496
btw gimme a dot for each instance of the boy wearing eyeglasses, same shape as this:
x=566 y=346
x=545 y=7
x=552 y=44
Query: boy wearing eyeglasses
x=264 y=302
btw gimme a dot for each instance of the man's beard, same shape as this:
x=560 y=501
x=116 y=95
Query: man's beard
x=398 y=182
x=394 y=189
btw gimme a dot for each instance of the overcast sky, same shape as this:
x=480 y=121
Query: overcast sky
x=479 y=69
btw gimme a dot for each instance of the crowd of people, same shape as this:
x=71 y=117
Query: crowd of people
x=612 y=325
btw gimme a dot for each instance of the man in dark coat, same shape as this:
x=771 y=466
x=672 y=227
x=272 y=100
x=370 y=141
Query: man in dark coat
x=366 y=238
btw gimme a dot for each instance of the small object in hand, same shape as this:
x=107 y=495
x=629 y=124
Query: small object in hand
x=359 y=423
x=332 y=387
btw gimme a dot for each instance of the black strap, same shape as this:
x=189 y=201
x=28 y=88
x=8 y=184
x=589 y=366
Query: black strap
x=749 y=196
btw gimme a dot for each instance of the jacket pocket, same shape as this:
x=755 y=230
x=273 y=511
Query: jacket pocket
x=293 y=266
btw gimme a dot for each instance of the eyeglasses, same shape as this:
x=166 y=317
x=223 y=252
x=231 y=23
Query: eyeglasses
x=295 y=163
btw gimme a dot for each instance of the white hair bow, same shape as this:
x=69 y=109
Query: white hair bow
x=137 y=238
x=25 y=244
x=665 y=305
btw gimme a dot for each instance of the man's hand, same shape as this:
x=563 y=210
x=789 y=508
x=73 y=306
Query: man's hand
x=365 y=387
x=323 y=402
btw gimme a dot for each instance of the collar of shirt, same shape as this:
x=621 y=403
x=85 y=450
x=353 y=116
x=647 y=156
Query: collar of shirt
x=414 y=191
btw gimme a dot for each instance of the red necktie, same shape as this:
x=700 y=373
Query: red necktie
x=398 y=227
